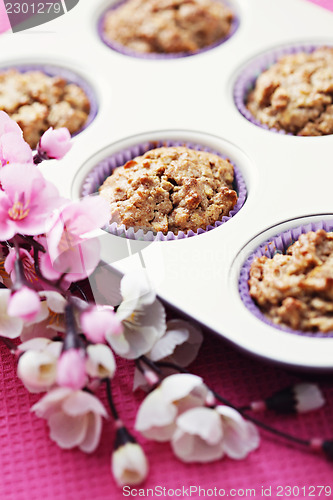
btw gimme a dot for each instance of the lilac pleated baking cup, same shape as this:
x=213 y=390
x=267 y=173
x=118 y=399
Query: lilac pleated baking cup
x=246 y=81
x=104 y=169
x=112 y=44
x=278 y=244
x=69 y=76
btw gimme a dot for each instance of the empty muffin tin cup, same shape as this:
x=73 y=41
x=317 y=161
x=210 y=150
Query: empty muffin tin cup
x=104 y=169
x=278 y=244
x=70 y=76
x=122 y=49
x=247 y=78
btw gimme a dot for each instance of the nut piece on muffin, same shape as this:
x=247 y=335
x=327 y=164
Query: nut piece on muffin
x=37 y=101
x=171 y=189
x=295 y=94
x=296 y=289
x=168 y=26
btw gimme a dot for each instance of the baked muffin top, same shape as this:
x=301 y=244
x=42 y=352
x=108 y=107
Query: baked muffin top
x=37 y=101
x=168 y=26
x=171 y=189
x=296 y=289
x=295 y=94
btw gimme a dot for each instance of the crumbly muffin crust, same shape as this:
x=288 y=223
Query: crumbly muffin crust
x=296 y=94
x=168 y=26
x=171 y=189
x=37 y=101
x=296 y=289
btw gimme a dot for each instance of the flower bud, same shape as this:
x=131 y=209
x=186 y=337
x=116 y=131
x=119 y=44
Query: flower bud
x=54 y=144
x=299 y=398
x=129 y=463
x=97 y=322
x=37 y=370
x=24 y=303
x=71 y=369
x=100 y=362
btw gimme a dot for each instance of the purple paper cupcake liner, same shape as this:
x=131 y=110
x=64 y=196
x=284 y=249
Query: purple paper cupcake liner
x=70 y=77
x=247 y=80
x=278 y=244
x=154 y=55
x=104 y=169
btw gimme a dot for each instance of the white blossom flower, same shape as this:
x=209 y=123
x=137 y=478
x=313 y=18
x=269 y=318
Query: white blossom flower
x=74 y=418
x=10 y=327
x=129 y=465
x=142 y=316
x=50 y=319
x=37 y=366
x=158 y=412
x=100 y=361
x=206 y=434
x=180 y=345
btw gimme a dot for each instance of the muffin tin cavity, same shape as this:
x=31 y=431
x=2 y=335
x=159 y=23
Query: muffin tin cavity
x=249 y=73
x=279 y=243
x=125 y=50
x=66 y=95
x=103 y=169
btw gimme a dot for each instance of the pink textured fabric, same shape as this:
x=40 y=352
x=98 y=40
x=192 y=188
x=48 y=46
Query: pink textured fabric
x=34 y=468
x=4 y=21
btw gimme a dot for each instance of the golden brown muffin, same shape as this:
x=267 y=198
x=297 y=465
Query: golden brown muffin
x=171 y=189
x=295 y=94
x=37 y=101
x=168 y=26
x=296 y=289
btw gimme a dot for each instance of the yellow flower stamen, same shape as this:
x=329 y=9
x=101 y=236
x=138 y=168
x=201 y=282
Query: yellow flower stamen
x=19 y=209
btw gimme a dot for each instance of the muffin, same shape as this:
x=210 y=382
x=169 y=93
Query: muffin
x=295 y=94
x=296 y=289
x=167 y=26
x=171 y=189
x=37 y=101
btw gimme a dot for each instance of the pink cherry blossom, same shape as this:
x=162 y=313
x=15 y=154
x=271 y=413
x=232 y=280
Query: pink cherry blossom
x=26 y=201
x=71 y=369
x=54 y=144
x=8 y=125
x=14 y=149
x=99 y=321
x=24 y=303
x=74 y=418
x=70 y=246
x=28 y=264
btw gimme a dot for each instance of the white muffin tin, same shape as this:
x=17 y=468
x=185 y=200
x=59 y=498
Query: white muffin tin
x=191 y=99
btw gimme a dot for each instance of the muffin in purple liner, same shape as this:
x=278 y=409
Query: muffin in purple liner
x=164 y=29
x=289 y=90
x=102 y=171
x=302 y=295
x=39 y=96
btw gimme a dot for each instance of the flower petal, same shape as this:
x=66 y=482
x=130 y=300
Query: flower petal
x=93 y=433
x=180 y=385
x=80 y=402
x=67 y=431
x=155 y=418
x=240 y=436
x=50 y=402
